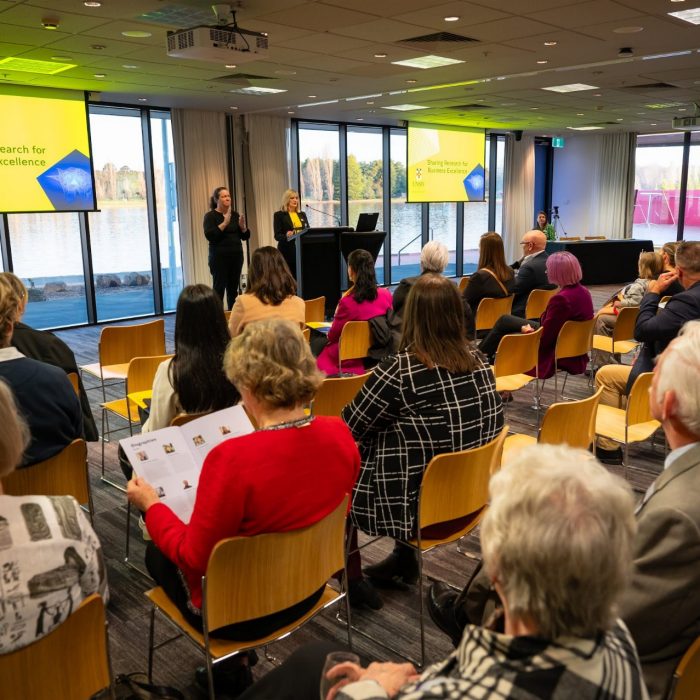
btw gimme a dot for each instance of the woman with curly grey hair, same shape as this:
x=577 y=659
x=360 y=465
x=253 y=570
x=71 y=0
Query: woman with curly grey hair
x=288 y=474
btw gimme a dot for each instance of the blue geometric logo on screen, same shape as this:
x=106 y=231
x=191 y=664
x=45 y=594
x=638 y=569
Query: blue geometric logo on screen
x=474 y=183
x=68 y=183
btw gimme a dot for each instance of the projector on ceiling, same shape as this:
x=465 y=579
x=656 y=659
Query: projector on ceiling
x=218 y=44
x=686 y=123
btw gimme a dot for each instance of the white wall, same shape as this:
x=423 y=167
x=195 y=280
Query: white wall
x=574 y=184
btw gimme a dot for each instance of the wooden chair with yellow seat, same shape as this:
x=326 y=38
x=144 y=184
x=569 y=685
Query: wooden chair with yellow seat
x=250 y=577
x=315 y=309
x=463 y=284
x=537 y=302
x=64 y=474
x=455 y=487
x=139 y=378
x=490 y=309
x=631 y=424
x=73 y=379
x=569 y=422
x=574 y=339
x=622 y=340
x=518 y=353
x=70 y=663
x=686 y=677
x=355 y=342
x=227 y=315
x=335 y=393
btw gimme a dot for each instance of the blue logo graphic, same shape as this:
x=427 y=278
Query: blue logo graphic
x=68 y=183
x=474 y=183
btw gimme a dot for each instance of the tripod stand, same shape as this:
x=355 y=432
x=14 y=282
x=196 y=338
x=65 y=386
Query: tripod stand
x=557 y=222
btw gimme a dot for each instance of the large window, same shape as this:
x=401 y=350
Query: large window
x=691 y=231
x=319 y=172
x=101 y=266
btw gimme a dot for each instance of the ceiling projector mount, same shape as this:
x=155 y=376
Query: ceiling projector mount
x=224 y=42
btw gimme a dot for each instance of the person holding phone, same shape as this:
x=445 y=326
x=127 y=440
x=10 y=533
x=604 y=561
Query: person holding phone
x=225 y=230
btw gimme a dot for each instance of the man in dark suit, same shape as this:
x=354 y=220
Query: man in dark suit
x=662 y=604
x=656 y=329
x=531 y=272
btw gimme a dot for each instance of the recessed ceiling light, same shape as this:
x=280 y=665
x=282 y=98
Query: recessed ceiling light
x=664 y=105
x=136 y=34
x=232 y=107
x=128 y=65
x=425 y=62
x=257 y=90
x=370 y=103
x=312 y=96
x=317 y=104
x=652 y=124
x=380 y=55
x=99 y=75
x=534 y=108
x=360 y=119
x=93 y=3
x=143 y=99
x=410 y=81
x=584 y=128
x=677 y=0
x=580 y=114
x=291 y=111
x=451 y=18
x=31 y=65
x=597 y=94
x=405 y=107
x=542 y=62
x=98 y=47
x=230 y=65
x=550 y=43
x=692 y=16
x=571 y=87
x=682 y=109
x=628 y=30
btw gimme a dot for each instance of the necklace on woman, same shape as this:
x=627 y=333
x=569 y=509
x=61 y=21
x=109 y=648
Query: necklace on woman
x=295 y=423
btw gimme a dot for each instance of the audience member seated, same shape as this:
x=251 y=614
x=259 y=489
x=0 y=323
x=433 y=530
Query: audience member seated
x=556 y=543
x=435 y=396
x=46 y=347
x=668 y=253
x=650 y=266
x=361 y=302
x=271 y=292
x=572 y=302
x=655 y=329
x=434 y=257
x=44 y=394
x=661 y=604
x=494 y=278
x=50 y=556
x=288 y=474
x=531 y=272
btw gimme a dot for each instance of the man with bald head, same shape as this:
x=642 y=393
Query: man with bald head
x=531 y=273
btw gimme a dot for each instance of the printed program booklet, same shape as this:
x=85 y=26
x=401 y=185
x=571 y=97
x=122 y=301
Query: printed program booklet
x=171 y=459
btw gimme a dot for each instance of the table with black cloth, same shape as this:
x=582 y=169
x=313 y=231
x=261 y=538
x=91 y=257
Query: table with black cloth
x=605 y=262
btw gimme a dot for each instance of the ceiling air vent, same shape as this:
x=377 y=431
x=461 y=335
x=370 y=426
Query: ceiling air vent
x=238 y=77
x=474 y=107
x=438 y=38
x=650 y=86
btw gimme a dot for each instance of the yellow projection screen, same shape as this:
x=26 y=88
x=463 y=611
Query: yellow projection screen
x=45 y=162
x=445 y=163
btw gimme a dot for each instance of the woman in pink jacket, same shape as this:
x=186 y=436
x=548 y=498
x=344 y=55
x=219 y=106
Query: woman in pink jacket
x=362 y=301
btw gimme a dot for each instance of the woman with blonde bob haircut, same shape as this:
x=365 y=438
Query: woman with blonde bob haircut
x=285 y=223
x=49 y=547
x=288 y=474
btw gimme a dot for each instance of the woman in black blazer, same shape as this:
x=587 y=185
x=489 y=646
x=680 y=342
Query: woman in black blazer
x=286 y=221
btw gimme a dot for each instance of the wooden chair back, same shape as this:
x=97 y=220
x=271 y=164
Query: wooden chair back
x=120 y=344
x=355 y=341
x=306 y=332
x=624 y=326
x=571 y=422
x=457 y=483
x=463 y=284
x=490 y=310
x=335 y=393
x=64 y=474
x=73 y=379
x=686 y=678
x=537 y=301
x=575 y=338
x=141 y=372
x=69 y=663
x=184 y=418
x=517 y=353
x=315 y=309
x=638 y=408
x=227 y=315
x=249 y=577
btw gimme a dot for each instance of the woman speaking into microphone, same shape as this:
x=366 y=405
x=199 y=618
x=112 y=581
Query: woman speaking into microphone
x=225 y=230
x=286 y=221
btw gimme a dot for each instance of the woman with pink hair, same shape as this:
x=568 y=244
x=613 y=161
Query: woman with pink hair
x=572 y=303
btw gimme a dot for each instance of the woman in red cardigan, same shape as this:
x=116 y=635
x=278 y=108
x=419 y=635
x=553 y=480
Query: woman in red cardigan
x=290 y=473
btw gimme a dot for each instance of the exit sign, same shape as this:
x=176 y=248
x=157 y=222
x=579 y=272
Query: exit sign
x=558 y=142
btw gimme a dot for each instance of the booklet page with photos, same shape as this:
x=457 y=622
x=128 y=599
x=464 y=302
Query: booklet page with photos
x=171 y=459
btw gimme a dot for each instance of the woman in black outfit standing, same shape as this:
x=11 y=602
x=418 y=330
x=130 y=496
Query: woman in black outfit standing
x=285 y=223
x=225 y=230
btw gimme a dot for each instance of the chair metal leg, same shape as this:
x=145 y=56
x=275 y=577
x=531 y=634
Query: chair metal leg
x=422 y=605
x=130 y=564
x=150 y=644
